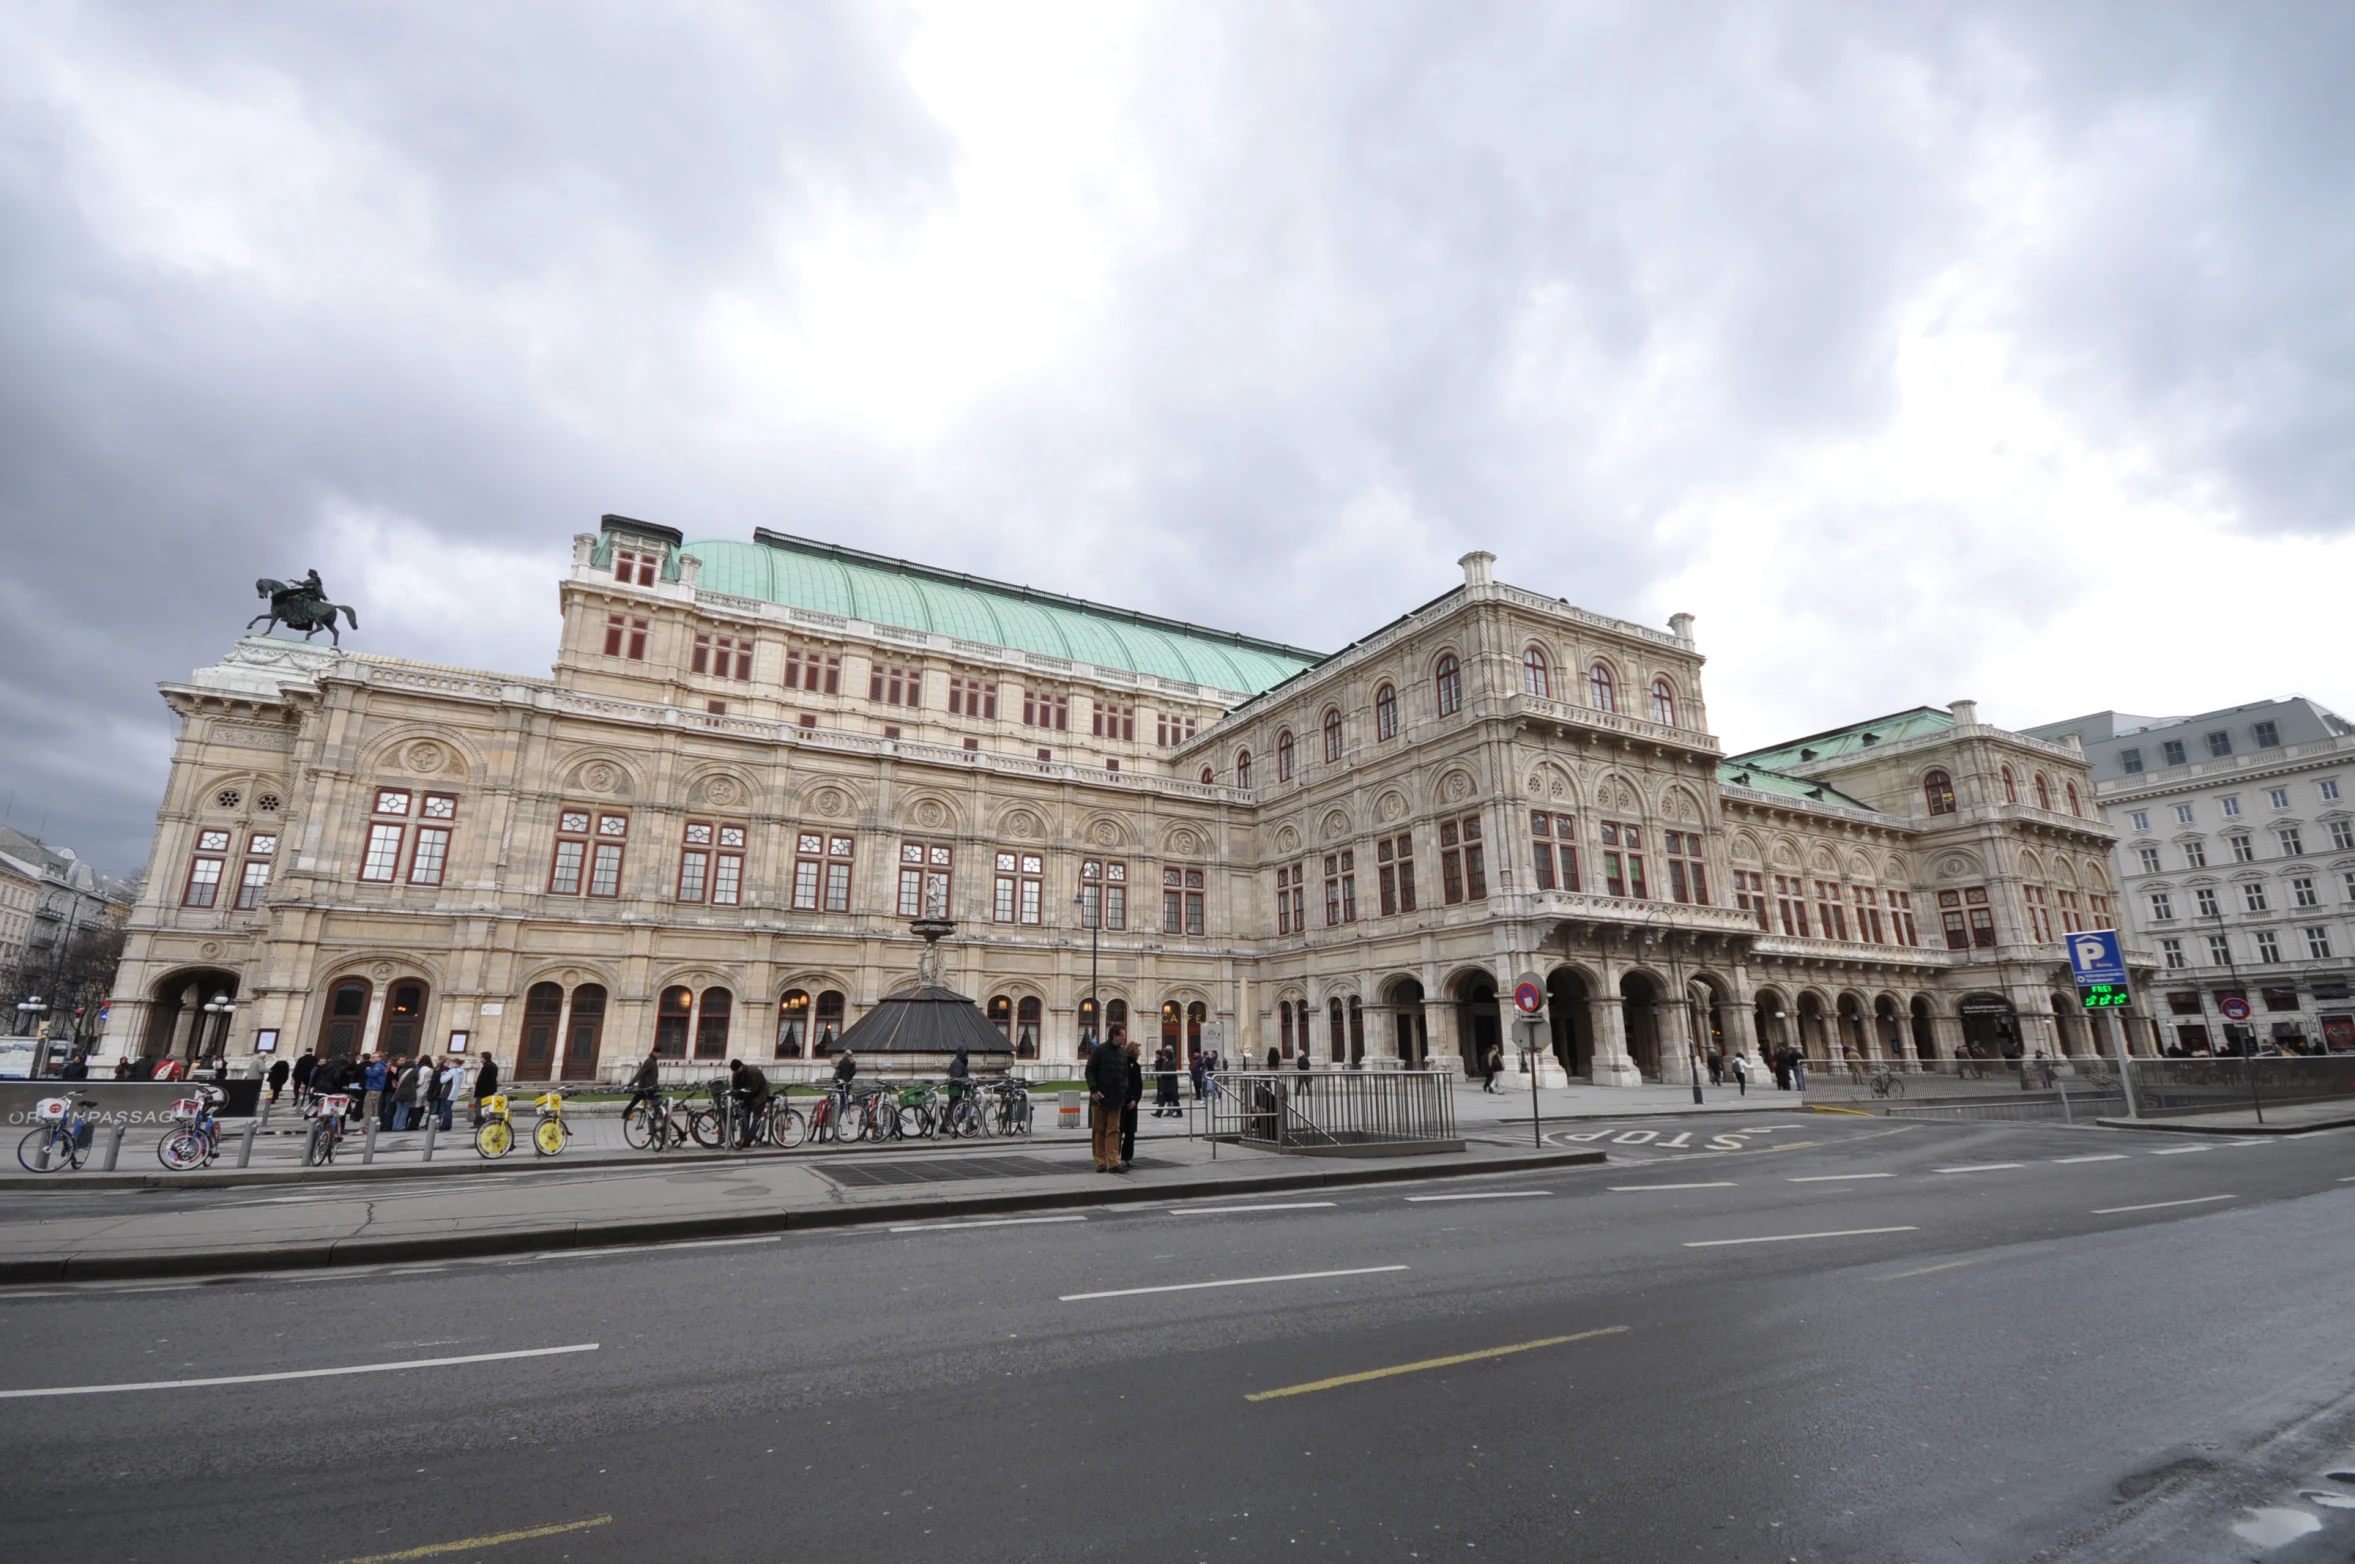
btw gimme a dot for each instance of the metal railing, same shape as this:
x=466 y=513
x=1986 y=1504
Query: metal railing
x=2079 y=1087
x=1335 y=1113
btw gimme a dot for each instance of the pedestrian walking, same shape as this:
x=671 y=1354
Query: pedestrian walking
x=279 y=1070
x=1128 y=1109
x=1165 y=1084
x=1194 y=1070
x=1107 y=1079
x=1490 y=1063
x=486 y=1084
x=1716 y=1068
x=1304 y=1060
x=1741 y=1076
x=304 y=1068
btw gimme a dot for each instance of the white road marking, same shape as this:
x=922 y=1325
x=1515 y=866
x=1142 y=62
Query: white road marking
x=2349 y=1179
x=2161 y=1205
x=1494 y=1194
x=1627 y=1189
x=1304 y=1205
x=692 y=1243
x=2105 y=1156
x=1784 y=1238
x=1981 y=1167
x=1240 y=1281
x=2177 y=1151
x=1006 y=1221
x=1837 y=1178
x=325 y=1373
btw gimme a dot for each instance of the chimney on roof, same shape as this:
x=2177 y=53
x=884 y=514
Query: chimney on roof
x=1479 y=568
x=1966 y=713
x=1681 y=626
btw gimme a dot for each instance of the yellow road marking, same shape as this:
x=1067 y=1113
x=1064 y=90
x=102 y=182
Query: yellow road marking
x=1429 y=1363
x=432 y=1548
x=1924 y=1271
x=1859 y=1113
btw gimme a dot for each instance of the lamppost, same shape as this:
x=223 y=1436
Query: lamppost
x=29 y=1011
x=1684 y=1001
x=219 y=1008
x=1080 y=904
x=2247 y=1047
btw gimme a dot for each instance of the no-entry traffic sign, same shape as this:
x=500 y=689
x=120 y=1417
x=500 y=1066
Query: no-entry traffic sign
x=1528 y=998
x=2234 y=1007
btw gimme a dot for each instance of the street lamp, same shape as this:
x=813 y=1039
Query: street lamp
x=29 y=1011
x=2247 y=1048
x=219 y=1007
x=1684 y=999
x=1079 y=904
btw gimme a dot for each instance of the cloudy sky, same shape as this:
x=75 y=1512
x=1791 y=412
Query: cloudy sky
x=1920 y=351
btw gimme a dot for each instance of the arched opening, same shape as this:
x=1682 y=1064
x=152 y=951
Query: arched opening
x=1336 y=1038
x=1938 y=792
x=1815 y=1040
x=1357 y=1032
x=1447 y=682
x=1536 y=677
x=1408 y=1029
x=1708 y=1013
x=1855 y=1047
x=1772 y=1021
x=1990 y=1027
x=2066 y=1018
x=1639 y=1002
x=1887 y=1029
x=1173 y=1028
x=1332 y=735
x=674 y=1013
x=1001 y=1015
x=1925 y=1038
x=826 y=1022
x=1026 y=1025
x=1197 y=1014
x=1386 y=712
x=543 y=1021
x=1116 y=1020
x=1284 y=756
x=404 y=1019
x=1478 y=1025
x=1284 y=1028
x=1573 y=1029
x=793 y=1024
x=1601 y=693
x=585 y=1033
x=178 y=1026
x=711 y=1023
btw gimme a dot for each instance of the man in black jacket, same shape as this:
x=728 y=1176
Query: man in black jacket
x=1128 y=1108
x=486 y=1084
x=1107 y=1095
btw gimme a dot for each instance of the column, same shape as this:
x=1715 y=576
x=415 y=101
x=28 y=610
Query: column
x=1739 y=1021
x=1612 y=1066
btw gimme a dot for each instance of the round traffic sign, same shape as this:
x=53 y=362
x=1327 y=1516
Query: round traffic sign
x=1528 y=998
x=2234 y=1007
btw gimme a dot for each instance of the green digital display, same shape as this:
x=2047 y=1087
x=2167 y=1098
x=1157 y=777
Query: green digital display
x=2106 y=996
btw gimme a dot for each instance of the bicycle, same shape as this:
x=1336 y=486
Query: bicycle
x=495 y=1136
x=62 y=1138
x=550 y=1132
x=820 y=1124
x=326 y=1111
x=197 y=1140
x=1886 y=1084
x=918 y=1111
x=1011 y=1108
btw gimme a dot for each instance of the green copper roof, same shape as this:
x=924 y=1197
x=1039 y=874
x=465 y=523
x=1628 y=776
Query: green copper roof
x=1745 y=774
x=774 y=568
x=1843 y=742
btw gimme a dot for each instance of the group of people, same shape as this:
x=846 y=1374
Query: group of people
x=1116 y=1085
x=398 y=1093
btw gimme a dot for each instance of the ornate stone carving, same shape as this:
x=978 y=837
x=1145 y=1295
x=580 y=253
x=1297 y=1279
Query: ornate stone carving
x=1287 y=839
x=1023 y=826
x=598 y=777
x=424 y=757
x=383 y=969
x=1456 y=787
x=930 y=815
x=1104 y=833
x=829 y=802
x=1184 y=842
x=722 y=792
x=1336 y=826
x=1390 y=806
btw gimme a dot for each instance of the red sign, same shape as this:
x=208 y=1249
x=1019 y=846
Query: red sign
x=1529 y=999
x=2234 y=1007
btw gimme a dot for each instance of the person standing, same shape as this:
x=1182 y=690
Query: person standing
x=1194 y=1070
x=1128 y=1109
x=1165 y=1087
x=372 y=1081
x=749 y=1086
x=407 y=1092
x=1490 y=1063
x=1304 y=1062
x=486 y=1084
x=279 y=1070
x=304 y=1068
x=453 y=1082
x=1107 y=1080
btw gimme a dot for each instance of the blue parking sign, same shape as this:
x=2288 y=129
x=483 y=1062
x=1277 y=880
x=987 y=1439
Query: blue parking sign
x=2095 y=957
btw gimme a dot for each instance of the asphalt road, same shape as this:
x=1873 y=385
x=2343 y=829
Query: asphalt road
x=1956 y=1342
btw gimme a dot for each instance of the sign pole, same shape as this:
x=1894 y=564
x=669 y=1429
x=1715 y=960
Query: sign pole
x=1529 y=999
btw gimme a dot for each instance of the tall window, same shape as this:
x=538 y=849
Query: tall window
x=813 y=670
x=2195 y=856
x=2043 y=792
x=793 y=1024
x=674 y=1019
x=1664 y=703
x=2171 y=751
x=2072 y=919
x=2253 y=896
x=972 y=697
x=1938 y=788
x=2269 y=951
x=1016 y=897
x=1332 y=736
x=2039 y=912
x=1291 y=909
x=1243 y=768
x=1463 y=861
x=723 y=656
x=2149 y=858
x=1623 y=860
x=1386 y=712
x=2011 y=786
x=713 y=1012
x=821 y=872
x=2292 y=844
x=1394 y=859
x=259 y=847
x=1599 y=690
x=1556 y=851
x=205 y=869
x=1103 y=892
x=1969 y=919
x=2219 y=950
x=625 y=637
x=924 y=879
x=1115 y=721
x=1688 y=870
x=2171 y=951
x=1790 y=901
x=1171 y=729
x=1901 y=925
x=1340 y=887
x=1448 y=681
x=1831 y=912
x=895 y=684
x=2242 y=851
x=1284 y=756
x=1181 y=901
x=826 y=1022
x=1536 y=678
x=711 y=863
x=636 y=566
x=1750 y=896
x=2204 y=898
x=2075 y=807
x=1284 y=1024
x=1045 y=709
x=388 y=830
x=2317 y=942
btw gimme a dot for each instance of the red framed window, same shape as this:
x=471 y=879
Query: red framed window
x=972 y=697
x=1688 y=868
x=1868 y=915
x=1291 y=913
x=723 y=656
x=636 y=566
x=1750 y=896
x=430 y=856
x=1181 y=901
x=1386 y=712
x=1537 y=678
x=1463 y=863
x=1901 y=926
x=1554 y=854
x=1938 y=792
x=1831 y=910
x=1171 y=729
x=604 y=852
x=255 y=881
x=1103 y=893
x=2039 y=910
x=895 y=684
x=1394 y=865
x=2043 y=792
x=1242 y=768
x=1447 y=682
x=2011 y=786
x=1623 y=859
x=1016 y=893
x=1284 y=756
x=1045 y=709
x=807 y=668
x=205 y=870
x=1664 y=703
x=711 y=863
x=1790 y=900
x=625 y=637
x=1333 y=740
x=1340 y=888
x=1115 y=721
x=926 y=879
x=1601 y=692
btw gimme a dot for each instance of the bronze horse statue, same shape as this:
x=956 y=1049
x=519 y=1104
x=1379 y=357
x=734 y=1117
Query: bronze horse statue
x=300 y=605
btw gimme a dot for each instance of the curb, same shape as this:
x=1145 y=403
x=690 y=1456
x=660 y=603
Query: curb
x=2165 y=1127
x=1683 y=1112
x=603 y=1235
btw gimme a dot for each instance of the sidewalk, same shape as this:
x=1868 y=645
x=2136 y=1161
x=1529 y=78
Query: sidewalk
x=2288 y=1118
x=605 y=1206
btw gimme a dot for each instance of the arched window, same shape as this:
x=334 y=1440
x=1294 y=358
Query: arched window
x=2074 y=807
x=1599 y=689
x=2011 y=787
x=1386 y=712
x=543 y=1015
x=1116 y=1020
x=1208 y=776
x=1338 y=1040
x=1196 y=1014
x=793 y=1024
x=1664 y=703
x=585 y=1032
x=711 y=1024
x=672 y=1017
x=1938 y=788
x=347 y=1013
x=827 y=1022
x=1243 y=768
x=1357 y=1031
x=1001 y=1016
x=2043 y=792
x=1173 y=1027
x=1536 y=678
x=1332 y=736
x=1087 y=1024
x=1449 y=680
x=1284 y=1024
x=1026 y=1018
x=1284 y=756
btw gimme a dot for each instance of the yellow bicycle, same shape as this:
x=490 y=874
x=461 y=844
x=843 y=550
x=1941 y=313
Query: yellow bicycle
x=497 y=1136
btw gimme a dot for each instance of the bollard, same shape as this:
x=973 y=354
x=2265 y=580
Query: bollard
x=368 y=1142
x=267 y=1104
x=114 y=1145
x=433 y=1127
x=1067 y=1106
x=253 y=1127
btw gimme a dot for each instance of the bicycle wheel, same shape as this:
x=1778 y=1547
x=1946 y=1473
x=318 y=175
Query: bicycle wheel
x=1896 y=1086
x=548 y=1137
x=495 y=1139
x=637 y=1126
x=704 y=1125
x=181 y=1150
x=784 y=1127
x=33 y=1151
x=883 y=1119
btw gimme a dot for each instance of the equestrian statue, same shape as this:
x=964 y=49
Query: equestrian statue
x=300 y=605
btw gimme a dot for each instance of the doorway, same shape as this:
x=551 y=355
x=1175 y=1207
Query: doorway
x=1566 y=1015
x=1639 y=1000
x=1479 y=1027
x=543 y=1015
x=585 y=1034
x=404 y=1019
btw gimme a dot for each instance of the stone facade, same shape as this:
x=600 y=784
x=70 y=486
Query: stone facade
x=706 y=832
